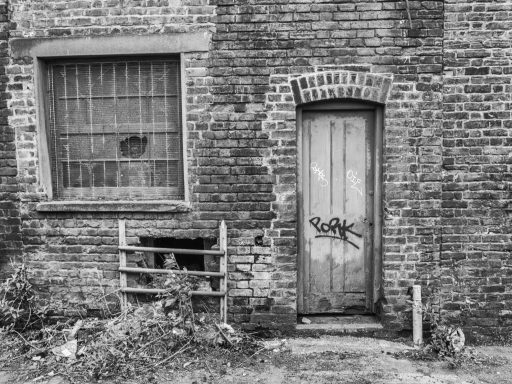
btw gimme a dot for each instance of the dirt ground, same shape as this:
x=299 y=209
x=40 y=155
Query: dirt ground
x=330 y=359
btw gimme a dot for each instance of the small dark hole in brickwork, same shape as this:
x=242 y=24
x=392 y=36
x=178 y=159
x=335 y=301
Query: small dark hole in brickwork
x=258 y=240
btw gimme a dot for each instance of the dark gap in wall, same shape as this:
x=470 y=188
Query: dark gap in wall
x=190 y=262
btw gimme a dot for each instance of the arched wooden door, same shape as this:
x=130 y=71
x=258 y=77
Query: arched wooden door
x=337 y=180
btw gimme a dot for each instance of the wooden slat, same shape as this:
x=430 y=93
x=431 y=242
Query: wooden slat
x=172 y=250
x=319 y=204
x=155 y=291
x=223 y=242
x=122 y=263
x=301 y=191
x=338 y=185
x=170 y=272
x=377 y=210
x=356 y=211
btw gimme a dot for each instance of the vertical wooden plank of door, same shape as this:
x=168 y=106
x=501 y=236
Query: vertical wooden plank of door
x=319 y=209
x=377 y=209
x=338 y=194
x=306 y=241
x=355 y=214
x=370 y=200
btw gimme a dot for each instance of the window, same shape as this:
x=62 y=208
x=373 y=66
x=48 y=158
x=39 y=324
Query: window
x=115 y=129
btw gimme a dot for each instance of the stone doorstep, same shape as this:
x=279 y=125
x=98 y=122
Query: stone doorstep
x=339 y=324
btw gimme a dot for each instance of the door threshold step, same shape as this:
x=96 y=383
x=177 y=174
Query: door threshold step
x=339 y=324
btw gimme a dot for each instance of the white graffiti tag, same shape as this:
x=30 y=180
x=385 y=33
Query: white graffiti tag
x=352 y=177
x=320 y=173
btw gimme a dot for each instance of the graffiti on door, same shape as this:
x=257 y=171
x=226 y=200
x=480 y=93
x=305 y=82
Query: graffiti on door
x=320 y=173
x=352 y=177
x=334 y=228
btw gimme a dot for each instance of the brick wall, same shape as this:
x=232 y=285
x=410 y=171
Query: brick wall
x=10 y=222
x=74 y=255
x=257 y=49
x=444 y=78
x=475 y=259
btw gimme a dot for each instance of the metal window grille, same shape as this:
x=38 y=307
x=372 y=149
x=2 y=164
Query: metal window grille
x=115 y=129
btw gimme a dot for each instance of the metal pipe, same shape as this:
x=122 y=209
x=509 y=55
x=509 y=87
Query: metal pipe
x=417 y=318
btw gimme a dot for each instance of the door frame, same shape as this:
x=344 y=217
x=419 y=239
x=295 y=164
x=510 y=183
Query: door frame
x=373 y=270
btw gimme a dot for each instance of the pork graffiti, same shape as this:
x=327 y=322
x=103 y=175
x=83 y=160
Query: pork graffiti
x=334 y=229
x=320 y=173
x=352 y=177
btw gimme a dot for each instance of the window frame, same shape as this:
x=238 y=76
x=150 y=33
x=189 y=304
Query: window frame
x=42 y=50
x=56 y=166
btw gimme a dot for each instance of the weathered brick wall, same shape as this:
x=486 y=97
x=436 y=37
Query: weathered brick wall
x=446 y=162
x=257 y=49
x=242 y=141
x=475 y=259
x=10 y=222
x=87 y=17
x=74 y=255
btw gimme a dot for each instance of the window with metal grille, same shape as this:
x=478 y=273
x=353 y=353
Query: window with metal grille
x=115 y=129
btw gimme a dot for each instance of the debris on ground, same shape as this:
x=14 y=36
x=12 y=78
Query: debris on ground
x=276 y=345
x=135 y=342
x=140 y=339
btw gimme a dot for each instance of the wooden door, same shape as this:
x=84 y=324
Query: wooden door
x=336 y=209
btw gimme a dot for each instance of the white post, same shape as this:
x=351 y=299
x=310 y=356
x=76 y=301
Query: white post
x=417 y=321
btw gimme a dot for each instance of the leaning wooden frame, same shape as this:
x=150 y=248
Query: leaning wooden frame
x=222 y=253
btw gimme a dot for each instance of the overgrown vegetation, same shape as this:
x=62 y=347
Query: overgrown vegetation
x=133 y=343
x=446 y=342
x=18 y=309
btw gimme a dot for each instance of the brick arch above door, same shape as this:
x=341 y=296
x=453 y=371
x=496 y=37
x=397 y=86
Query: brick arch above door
x=330 y=85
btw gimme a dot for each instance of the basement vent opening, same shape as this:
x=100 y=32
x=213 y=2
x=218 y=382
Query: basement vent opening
x=190 y=262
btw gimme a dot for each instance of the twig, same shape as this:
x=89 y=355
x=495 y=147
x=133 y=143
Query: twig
x=150 y=342
x=27 y=342
x=257 y=352
x=254 y=354
x=223 y=334
x=10 y=359
x=103 y=291
x=207 y=367
x=28 y=318
x=174 y=354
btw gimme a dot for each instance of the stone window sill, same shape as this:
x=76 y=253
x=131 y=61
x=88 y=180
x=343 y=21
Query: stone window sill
x=115 y=206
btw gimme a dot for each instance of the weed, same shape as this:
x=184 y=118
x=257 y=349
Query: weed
x=18 y=309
